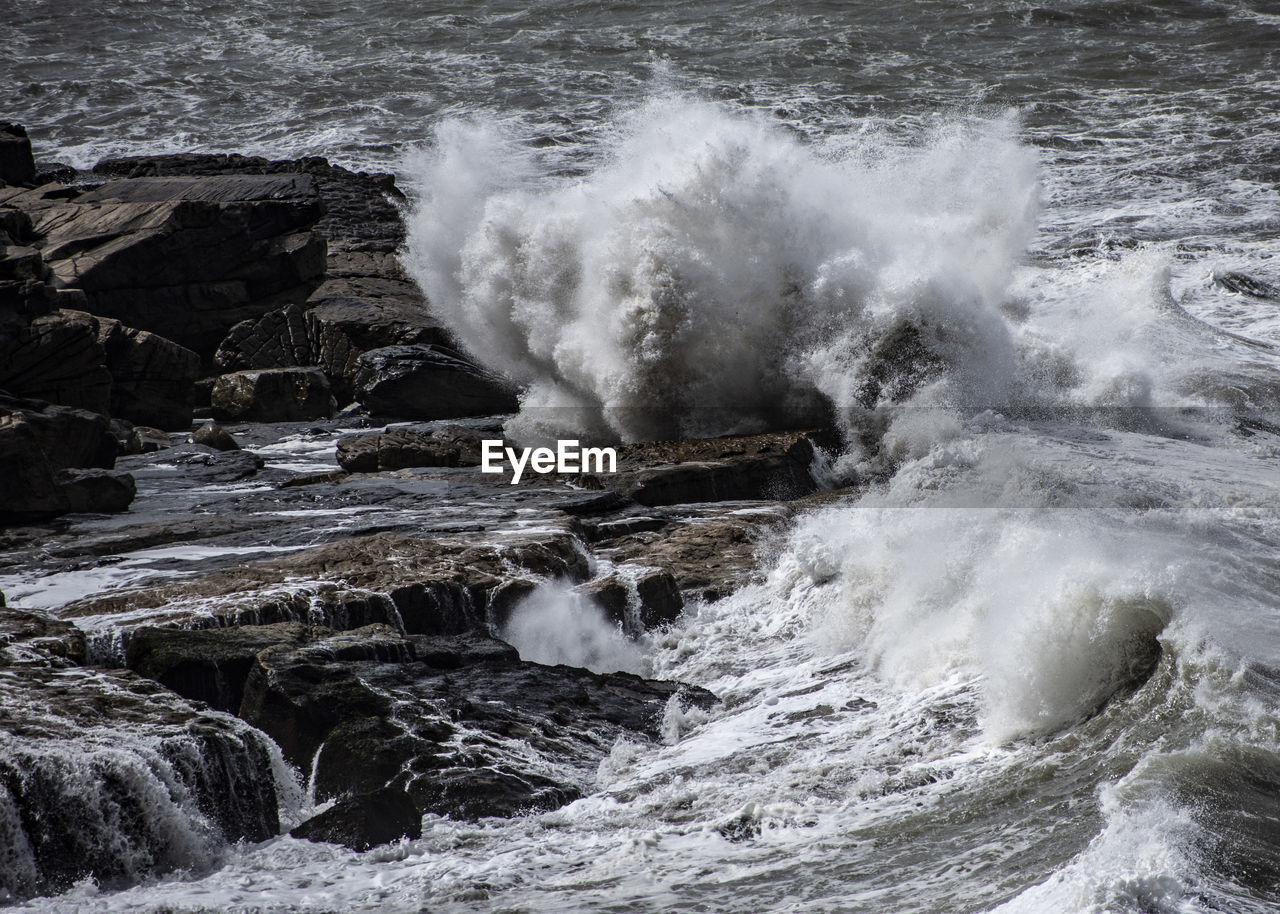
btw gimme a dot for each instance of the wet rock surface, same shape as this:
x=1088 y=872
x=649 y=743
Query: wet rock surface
x=440 y=736
x=774 y=466
x=400 y=448
x=109 y=775
x=273 y=395
x=290 y=580
x=365 y=820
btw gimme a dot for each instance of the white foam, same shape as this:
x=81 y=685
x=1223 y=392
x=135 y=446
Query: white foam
x=554 y=625
x=716 y=266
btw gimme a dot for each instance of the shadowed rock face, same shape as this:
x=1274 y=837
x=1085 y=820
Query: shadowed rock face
x=184 y=258
x=332 y=332
x=16 y=163
x=55 y=459
x=151 y=377
x=365 y=820
x=107 y=775
x=429 y=382
x=51 y=349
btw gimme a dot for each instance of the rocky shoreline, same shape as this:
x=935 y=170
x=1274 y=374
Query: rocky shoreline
x=322 y=583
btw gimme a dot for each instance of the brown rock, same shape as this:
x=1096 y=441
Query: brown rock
x=273 y=395
x=398 y=448
x=213 y=435
x=769 y=467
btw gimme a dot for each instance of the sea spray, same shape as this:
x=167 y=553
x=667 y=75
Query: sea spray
x=713 y=273
x=555 y=625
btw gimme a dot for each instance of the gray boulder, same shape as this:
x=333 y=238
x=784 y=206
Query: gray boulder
x=96 y=490
x=144 y=439
x=44 y=453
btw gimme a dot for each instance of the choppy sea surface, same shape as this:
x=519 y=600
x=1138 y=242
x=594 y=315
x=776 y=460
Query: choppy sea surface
x=718 y=209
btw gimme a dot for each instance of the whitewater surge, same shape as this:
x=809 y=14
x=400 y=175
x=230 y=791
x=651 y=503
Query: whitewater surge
x=715 y=273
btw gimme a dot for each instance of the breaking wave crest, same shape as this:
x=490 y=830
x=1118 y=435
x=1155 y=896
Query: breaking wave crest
x=714 y=273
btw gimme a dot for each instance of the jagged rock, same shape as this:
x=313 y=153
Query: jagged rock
x=151 y=377
x=186 y=258
x=28 y=491
x=441 y=735
x=708 y=557
x=19 y=263
x=15 y=228
x=332 y=333
x=364 y=821
x=146 y=440
x=771 y=466
x=1244 y=284
x=278 y=339
x=16 y=164
x=54 y=355
x=96 y=490
x=437 y=587
x=660 y=599
x=429 y=382
x=611 y=594
x=356 y=316
x=69 y=437
x=210 y=665
x=898 y=362
x=213 y=435
x=273 y=395
x=54 y=172
x=398 y=448
x=639 y=603
x=358 y=214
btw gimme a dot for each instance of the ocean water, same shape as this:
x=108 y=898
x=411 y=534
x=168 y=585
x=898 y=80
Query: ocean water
x=1032 y=663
